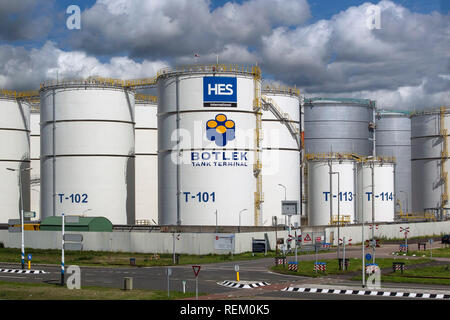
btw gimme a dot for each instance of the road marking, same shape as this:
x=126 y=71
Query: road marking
x=371 y=293
x=10 y=277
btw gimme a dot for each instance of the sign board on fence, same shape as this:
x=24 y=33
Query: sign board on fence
x=307 y=239
x=29 y=214
x=73 y=237
x=224 y=242
x=73 y=246
x=13 y=222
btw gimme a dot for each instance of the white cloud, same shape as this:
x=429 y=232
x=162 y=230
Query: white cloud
x=399 y=63
x=179 y=28
x=25 y=70
x=406 y=63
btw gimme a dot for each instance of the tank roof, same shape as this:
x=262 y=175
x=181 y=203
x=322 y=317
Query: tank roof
x=365 y=102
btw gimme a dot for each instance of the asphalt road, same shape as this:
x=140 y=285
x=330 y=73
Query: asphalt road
x=212 y=274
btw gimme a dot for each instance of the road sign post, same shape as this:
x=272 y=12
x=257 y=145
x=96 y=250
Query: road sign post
x=29 y=261
x=236 y=268
x=196 y=272
x=431 y=247
x=62 y=248
x=169 y=273
x=405 y=231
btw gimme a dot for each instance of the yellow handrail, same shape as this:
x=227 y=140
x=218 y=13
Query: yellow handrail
x=145 y=98
x=268 y=88
x=348 y=156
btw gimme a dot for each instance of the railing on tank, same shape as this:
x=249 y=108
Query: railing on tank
x=367 y=102
x=342 y=219
x=281 y=89
x=431 y=111
x=145 y=98
x=90 y=80
x=347 y=156
x=254 y=71
x=30 y=96
x=234 y=68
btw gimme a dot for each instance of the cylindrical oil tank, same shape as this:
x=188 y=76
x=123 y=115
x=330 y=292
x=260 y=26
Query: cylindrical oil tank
x=146 y=132
x=281 y=152
x=14 y=156
x=208 y=146
x=383 y=171
x=393 y=139
x=339 y=125
x=35 y=154
x=331 y=190
x=430 y=161
x=87 y=150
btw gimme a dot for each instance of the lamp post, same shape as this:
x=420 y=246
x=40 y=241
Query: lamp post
x=240 y=219
x=19 y=171
x=339 y=208
x=216 y=221
x=284 y=197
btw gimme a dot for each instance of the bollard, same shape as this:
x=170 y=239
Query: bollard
x=128 y=283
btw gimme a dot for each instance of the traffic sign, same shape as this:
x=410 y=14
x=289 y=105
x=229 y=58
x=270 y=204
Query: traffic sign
x=29 y=214
x=196 y=270
x=368 y=256
x=73 y=237
x=406 y=230
x=236 y=268
x=169 y=271
x=76 y=246
x=307 y=238
x=29 y=257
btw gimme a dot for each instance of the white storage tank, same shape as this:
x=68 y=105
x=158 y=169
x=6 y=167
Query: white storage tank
x=281 y=151
x=341 y=125
x=14 y=156
x=35 y=154
x=331 y=190
x=430 y=161
x=209 y=176
x=146 y=132
x=383 y=189
x=393 y=139
x=87 y=150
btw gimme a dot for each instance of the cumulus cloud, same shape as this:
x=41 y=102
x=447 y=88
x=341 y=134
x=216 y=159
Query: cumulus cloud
x=177 y=28
x=404 y=64
x=24 y=69
x=398 y=64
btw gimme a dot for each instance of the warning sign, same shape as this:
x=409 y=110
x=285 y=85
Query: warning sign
x=307 y=238
x=196 y=270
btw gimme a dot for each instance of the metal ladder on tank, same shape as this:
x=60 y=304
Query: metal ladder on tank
x=444 y=157
x=257 y=166
x=270 y=104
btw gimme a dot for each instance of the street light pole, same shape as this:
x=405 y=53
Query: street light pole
x=19 y=171
x=284 y=197
x=239 y=229
x=339 y=210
